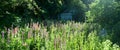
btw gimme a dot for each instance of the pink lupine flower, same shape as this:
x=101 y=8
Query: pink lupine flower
x=35 y=26
x=45 y=33
x=14 y=31
x=30 y=33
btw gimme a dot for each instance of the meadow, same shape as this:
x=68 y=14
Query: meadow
x=50 y=35
x=59 y=24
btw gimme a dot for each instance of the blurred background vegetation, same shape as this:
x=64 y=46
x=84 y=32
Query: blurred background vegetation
x=15 y=11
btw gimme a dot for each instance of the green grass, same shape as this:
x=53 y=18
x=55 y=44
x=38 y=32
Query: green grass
x=66 y=36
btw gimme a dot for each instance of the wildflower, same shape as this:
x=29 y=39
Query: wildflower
x=8 y=35
x=22 y=35
x=3 y=34
x=57 y=41
x=36 y=26
x=44 y=33
x=14 y=31
x=24 y=44
x=29 y=33
x=63 y=44
x=8 y=31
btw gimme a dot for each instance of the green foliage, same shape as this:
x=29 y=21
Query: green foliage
x=67 y=36
x=78 y=8
x=104 y=12
x=30 y=8
x=80 y=12
x=52 y=36
x=15 y=12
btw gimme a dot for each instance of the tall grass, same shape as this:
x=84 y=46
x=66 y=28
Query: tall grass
x=67 y=36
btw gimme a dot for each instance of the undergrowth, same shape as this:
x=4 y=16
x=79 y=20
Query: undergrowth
x=51 y=36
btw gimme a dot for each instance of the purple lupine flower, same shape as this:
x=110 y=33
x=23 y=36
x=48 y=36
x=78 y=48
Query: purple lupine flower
x=3 y=34
x=8 y=35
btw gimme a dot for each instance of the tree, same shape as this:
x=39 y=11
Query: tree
x=79 y=6
x=106 y=13
x=28 y=9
